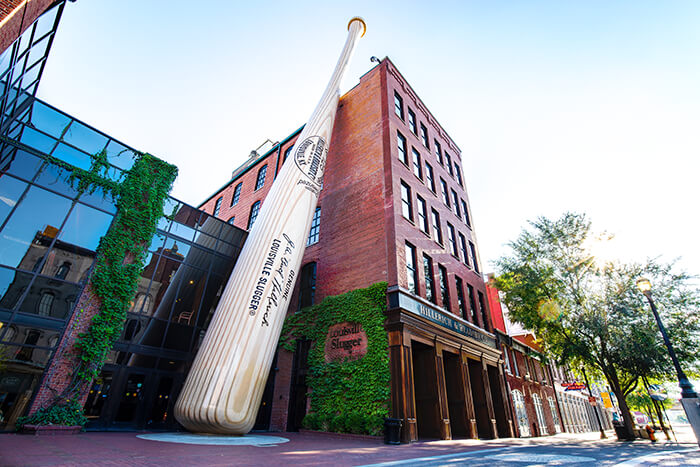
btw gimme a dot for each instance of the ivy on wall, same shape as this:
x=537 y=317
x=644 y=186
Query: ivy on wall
x=121 y=256
x=350 y=396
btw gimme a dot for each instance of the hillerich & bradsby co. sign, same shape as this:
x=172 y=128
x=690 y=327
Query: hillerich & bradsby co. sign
x=345 y=341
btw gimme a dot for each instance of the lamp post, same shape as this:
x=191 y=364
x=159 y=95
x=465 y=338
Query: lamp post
x=689 y=398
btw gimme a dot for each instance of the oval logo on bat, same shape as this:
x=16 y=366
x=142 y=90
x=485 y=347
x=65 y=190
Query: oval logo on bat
x=310 y=157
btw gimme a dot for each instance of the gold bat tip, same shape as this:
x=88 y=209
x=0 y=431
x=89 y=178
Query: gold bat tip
x=364 y=25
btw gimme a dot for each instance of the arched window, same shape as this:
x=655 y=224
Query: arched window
x=537 y=401
x=142 y=304
x=521 y=413
x=46 y=304
x=260 y=182
x=307 y=286
x=63 y=270
x=254 y=210
x=555 y=414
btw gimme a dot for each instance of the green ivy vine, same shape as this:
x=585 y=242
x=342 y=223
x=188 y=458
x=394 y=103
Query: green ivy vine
x=350 y=396
x=121 y=256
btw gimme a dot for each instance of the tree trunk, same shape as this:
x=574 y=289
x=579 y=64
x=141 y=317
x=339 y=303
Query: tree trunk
x=614 y=383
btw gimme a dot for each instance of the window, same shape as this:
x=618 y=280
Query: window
x=444 y=289
x=411 y=271
x=217 y=206
x=401 y=143
x=46 y=304
x=452 y=240
x=506 y=354
x=315 y=226
x=472 y=304
x=236 y=194
x=555 y=415
x=460 y=298
x=254 y=210
x=455 y=201
x=429 y=280
x=515 y=364
x=63 y=270
x=484 y=315
x=448 y=163
x=307 y=285
x=437 y=231
x=406 y=205
x=287 y=153
x=398 y=105
x=463 y=247
x=466 y=214
x=429 y=176
x=412 y=121
x=424 y=135
x=231 y=220
x=521 y=413
x=458 y=173
x=417 y=170
x=445 y=195
x=438 y=151
x=474 y=260
x=422 y=214
x=261 y=177
x=537 y=401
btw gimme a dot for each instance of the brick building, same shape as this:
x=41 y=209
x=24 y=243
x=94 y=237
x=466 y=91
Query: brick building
x=394 y=208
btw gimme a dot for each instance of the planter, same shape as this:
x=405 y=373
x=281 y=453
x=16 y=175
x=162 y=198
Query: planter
x=332 y=434
x=50 y=430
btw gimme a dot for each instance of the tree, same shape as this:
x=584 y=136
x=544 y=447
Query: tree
x=589 y=313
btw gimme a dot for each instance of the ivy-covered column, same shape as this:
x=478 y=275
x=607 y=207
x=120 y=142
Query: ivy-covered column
x=100 y=312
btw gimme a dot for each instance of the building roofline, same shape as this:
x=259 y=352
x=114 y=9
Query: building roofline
x=242 y=169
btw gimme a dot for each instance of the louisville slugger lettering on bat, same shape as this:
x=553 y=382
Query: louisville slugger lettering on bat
x=224 y=387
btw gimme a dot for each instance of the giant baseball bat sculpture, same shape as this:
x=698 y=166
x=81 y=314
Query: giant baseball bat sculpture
x=224 y=387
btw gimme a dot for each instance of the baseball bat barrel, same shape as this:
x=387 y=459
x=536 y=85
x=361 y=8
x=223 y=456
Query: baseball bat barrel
x=224 y=387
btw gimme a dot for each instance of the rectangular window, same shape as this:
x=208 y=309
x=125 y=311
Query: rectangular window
x=455 y=201
x=424 y=135
x=416 y=164
x=515 y=364
x=460 y=298
x=398 y=105
x=406 y=204
x=437 y=231
x=411 y=271
x=430 y=177
x=260 y=182
x=315 y=227
x=506 y=354
x=452 y=240
x=484 y=315
x=472 y=304
x=429 y=280
x=444 y=288
x=422 y=214
x=236 y=194
x=475 y=262
x=458 y=173
x=254 y=210
x=412 y=121
x=448 y=163
x=438 y=151
x=445 y=195
x=463 y=247
x=401 y=143
x=217 y=206
x=466 y=214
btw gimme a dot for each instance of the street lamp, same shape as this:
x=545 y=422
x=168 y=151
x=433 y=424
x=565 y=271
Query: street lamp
x=687 y=390
x=689 y=398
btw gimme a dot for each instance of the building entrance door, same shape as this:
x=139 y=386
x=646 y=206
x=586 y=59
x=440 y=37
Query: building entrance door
x=425 y=388
x=479 y=395
x=297 y=396
x=499 y=405
x=456 y=402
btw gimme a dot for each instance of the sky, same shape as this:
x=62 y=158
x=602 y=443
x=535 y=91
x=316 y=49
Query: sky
x=585 y=106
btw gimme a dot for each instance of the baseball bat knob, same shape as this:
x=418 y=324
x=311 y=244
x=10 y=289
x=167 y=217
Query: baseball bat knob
x=364 y=25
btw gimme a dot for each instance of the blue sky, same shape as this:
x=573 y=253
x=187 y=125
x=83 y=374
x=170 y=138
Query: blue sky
x=591 y=106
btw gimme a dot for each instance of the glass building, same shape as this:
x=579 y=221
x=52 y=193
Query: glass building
x=49 y=236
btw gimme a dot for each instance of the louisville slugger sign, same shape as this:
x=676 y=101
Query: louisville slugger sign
x=224 y=387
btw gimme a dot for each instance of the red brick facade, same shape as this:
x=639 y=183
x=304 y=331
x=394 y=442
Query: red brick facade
x=16 y=16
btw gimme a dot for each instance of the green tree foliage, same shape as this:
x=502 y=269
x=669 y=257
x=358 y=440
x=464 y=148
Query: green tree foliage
x=349 y=396
x=589 y=313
